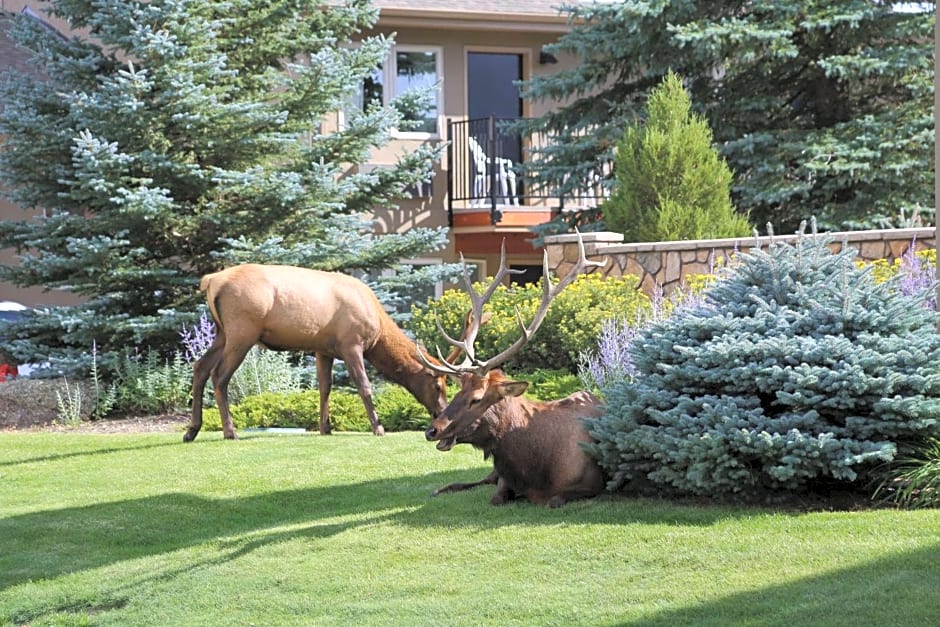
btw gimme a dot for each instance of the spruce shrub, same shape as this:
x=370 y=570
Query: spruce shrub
x=797 y=369
x=573 y=321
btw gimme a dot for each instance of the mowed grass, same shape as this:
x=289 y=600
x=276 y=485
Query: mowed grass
x=341 y=530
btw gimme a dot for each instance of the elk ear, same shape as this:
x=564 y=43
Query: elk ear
x=512 y=388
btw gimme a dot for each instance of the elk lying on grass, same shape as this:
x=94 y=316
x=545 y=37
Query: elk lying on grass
x=330 y=314
x=535 y=446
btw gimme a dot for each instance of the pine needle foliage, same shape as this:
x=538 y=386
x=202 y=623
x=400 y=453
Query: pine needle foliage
x=797 y=371
x=671 y=182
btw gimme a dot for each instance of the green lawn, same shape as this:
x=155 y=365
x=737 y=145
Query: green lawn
x=340 y=530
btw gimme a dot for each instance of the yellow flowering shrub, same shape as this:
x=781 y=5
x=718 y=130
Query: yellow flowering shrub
x=882 y=269
x=571 y=326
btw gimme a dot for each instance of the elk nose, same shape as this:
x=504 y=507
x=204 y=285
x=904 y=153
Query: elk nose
x=430 y=434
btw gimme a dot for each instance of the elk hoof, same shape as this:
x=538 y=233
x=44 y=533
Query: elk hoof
x=231 y=436
x=379 y=430
x=556 y=501
x=189 y=436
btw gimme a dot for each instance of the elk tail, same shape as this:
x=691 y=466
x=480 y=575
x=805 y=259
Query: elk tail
x=212 y=297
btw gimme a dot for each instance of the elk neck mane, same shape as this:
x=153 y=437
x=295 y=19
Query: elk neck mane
x=519 y=410
x=394 y=354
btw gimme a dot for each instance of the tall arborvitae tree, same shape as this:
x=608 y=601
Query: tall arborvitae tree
x=174 y=137
x=671 y=183
x=820 y=108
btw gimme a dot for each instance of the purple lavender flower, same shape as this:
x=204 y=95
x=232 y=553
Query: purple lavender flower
x=197 y=340
x=918 y=277
x=611 y=362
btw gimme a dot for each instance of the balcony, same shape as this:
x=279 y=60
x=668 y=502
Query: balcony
x=487 y=183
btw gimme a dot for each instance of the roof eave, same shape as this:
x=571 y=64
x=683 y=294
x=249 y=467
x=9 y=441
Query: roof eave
x=463 y=20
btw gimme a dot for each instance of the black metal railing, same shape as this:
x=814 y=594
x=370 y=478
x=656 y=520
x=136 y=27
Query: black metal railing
x=487 y=170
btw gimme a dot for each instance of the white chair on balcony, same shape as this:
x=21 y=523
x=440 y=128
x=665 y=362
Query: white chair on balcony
x=505 y=174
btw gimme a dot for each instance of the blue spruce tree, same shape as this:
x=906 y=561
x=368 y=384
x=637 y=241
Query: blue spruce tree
x=174 y=137
x=799 y=370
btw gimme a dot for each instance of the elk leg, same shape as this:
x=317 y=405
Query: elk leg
x=221 y=376
x=202 y=369
x=325 y=384
x=504 y=494
x=571 y=495
x=489 y=479
x=357 y=372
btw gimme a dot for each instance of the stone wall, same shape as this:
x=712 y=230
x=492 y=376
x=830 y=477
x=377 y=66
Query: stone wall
x=668 y=263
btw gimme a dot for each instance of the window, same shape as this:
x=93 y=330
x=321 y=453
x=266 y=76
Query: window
x=417 y=70
x=408 y=68
x=371 y=89
x=528 y=275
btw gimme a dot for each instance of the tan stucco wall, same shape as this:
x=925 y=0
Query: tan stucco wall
x=666 y=264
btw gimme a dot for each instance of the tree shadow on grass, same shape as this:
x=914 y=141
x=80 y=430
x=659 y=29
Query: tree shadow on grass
x=49 y=543
x=897 y=590
x=132 y=446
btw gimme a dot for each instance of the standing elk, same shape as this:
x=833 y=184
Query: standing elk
x=535 y=446
x=330 y=314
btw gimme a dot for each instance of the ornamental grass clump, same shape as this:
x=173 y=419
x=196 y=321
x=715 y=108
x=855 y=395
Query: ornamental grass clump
x=797 y=370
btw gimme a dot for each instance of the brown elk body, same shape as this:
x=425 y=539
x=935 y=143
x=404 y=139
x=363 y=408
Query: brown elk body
x=535 y=446
x=330 y=314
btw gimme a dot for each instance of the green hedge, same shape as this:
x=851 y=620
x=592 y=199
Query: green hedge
x=396 y=408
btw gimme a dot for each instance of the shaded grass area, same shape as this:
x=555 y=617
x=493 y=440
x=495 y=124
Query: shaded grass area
x=311 y=530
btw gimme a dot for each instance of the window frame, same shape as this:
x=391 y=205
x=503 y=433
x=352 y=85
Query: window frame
x=389 y=91
x=389 y=74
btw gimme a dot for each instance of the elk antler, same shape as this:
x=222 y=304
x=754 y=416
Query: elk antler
x=471 y=363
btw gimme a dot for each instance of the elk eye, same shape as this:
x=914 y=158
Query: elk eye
x=474 y=401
